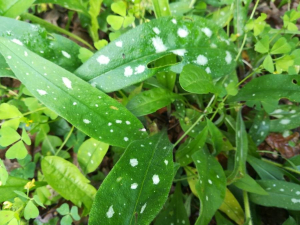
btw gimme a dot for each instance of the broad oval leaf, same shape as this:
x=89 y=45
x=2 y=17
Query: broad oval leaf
x=138 y=185
x=282 y=194
x=196 y=80
x=90 y=154
x=149 y=101
x=65 y=178
x=56 y=48
x=14 y=8
x=196 y=40
x=87 y=108
x=211 y=187
x=270 y=87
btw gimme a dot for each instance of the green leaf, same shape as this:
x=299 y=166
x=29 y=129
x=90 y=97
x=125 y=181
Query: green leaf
x=21 y=194
x=6 y=216
x=38 y=201
x=93 y=107
x=184 y=155
x=100 y=44
x=196 y=80
x=17 y=151
x=220 y=219
x=241 y=150
x=265 y=170
x=283 y=64
x=84 y=54
x=128 y=20
x=76 y=5
x=25 y=137
x=232 y=208
x=262 y=46
x=149 y=101
x=119 y=8
x=270 y=87
x=91 y=154
x=161 y=8
x=8 y=111
x=282 y=194
x=138 y=185
x=268 y=63
x=8 y=136
x=248 y=184
x=74 y=213
x=119 y=65
x=15 y=184
x=116 y=22
x=66 y=220
x=66 y=179
x=290 y=221
x=30 y=211
x=94 y=10
x=3 y=173
x=14 y=8
x=174 y=210
x=56 y=48
x=216 y=137
x=50 y=144
x=63 y=209
x=260 y=128
x=211 y=187
x=281 y=46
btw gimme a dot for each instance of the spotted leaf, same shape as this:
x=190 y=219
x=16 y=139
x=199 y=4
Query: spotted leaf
x=138 y=185
x=282 y=194
x=87 y=108
x=196 y=41
x=53 y=47
x=270 y=87
x=211 y=186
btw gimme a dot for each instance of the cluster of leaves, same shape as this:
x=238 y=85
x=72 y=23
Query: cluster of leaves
x=174 y=79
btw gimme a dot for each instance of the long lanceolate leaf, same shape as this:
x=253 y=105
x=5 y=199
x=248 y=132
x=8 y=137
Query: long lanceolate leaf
x=87 y=108
x=197 y=41
x=241 y=151
x=138 y=185
x=211 y=187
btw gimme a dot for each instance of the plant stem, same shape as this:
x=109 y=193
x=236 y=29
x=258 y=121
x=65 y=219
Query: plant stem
x=50 y=26
x=185 y=178
x=197 y=121
x=161 y=8
x=65 y=141
x=247 y=208
x=281 y=166
x=245 y=36
x=9 y=91
x=25 y=114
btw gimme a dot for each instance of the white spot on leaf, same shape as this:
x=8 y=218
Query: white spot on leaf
x=158 y=44
x=166 y=162
x=182 y=32
x=86 y=121
x=156 y=30
x=294 y=200
x=41 y=92
x=65 y=54
x=17 y=41
x=25 y=53
x=102 y=59
x=155 y=179
x=207 y=69
x=143 y=208
x=285 y=121
x=174 y=21
x=134 y=186
x=179 y=52
x=201 y=60
x=206 y=31
x=139 y=69
x=128 y=71
x=110 y=212
x=119 y=44
x=126 y=139
x=67 y=82
x=133 y=162
x=228 y=57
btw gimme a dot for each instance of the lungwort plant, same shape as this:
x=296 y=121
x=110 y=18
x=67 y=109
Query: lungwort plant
x=175 y=120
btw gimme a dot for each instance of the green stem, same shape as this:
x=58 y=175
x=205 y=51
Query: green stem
x=245 y=36
x=197 y=121
x=65 y=141
x=9 y=91
x=281 y=166
x=161 y=8
x=247 y=208
x=50 y=26
x=185 y=178
x=25 y=114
